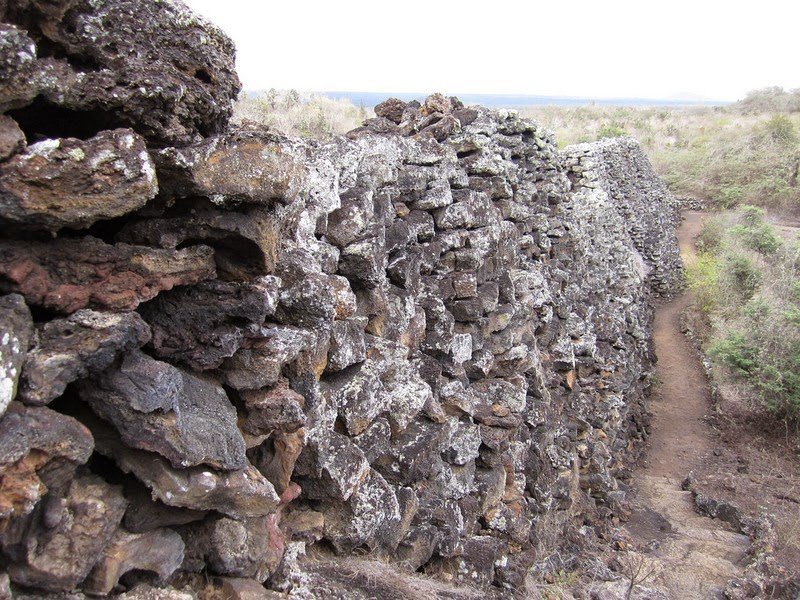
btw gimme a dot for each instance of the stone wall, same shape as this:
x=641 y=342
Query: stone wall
x=224 y=349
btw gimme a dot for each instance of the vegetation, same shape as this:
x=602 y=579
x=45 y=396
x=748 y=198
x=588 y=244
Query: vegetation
x=745 y=280
x=745 y=153
x=306 y=115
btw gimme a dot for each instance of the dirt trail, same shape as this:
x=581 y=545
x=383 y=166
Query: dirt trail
x=698 y=555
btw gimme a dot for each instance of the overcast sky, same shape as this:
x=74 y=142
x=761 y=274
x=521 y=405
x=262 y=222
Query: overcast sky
x=681 y=48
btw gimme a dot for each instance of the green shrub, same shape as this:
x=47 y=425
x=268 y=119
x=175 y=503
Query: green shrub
x=743 y=275
x=703 y=278
x=611 y=130
x=711 y=235
x=736 y=353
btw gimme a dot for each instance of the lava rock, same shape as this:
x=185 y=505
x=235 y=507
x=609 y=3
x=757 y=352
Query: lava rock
x=241 y=548
x=242 y=493
x=83 y=344
x=19 y=80
x=245 y=243
x=276 y=408
x=57 y=548
x=159 y=408
x=12 y=139
x=203 y=324
x=17 y=328
x=261 y=366
x=159 y=551
x=67 y=274
x=250 y=165
x=74 y=183
x=155 y=67
x=39 y=449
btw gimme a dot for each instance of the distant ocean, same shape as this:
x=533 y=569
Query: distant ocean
x=369 y=99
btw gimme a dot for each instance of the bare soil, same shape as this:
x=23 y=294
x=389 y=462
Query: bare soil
x=696 y=556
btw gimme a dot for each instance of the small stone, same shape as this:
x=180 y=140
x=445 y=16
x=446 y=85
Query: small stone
x=12 y=139
x=241 y=548
x=39 y=449
x=391 y=109
x=249 y=164
x=347 y=344
x=278 y=408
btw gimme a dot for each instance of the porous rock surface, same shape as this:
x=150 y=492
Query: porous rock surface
x=426 y=341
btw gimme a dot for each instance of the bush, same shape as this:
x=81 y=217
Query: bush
x=745 y=282
x=736 y=353
x=610 y=131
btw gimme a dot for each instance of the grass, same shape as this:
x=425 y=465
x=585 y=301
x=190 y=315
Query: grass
x=303 y=115
x=745 y=281
x=728 y=155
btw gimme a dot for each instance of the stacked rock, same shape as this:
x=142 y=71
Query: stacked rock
x=225 y=348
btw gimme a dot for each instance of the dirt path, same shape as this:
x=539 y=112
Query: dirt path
x=697 y=555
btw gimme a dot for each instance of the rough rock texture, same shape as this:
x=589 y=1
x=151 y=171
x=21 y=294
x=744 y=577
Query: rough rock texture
x=15 y=339
x=155 y=67
x=71 y=183
x=41 y=449
x=620 y=168
x=427 y=341
x=159 y=551
x=159 y=408
x=69 y=274
x=83 y=344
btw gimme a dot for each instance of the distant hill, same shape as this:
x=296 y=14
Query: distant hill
x=369 y=99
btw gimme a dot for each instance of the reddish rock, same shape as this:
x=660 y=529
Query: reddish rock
x=39 y=449
x=73 y=183
x=69 y=274
x=391 y=109
x=277 y=457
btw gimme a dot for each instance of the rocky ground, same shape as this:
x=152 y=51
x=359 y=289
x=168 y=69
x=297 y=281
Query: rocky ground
x=413 y=361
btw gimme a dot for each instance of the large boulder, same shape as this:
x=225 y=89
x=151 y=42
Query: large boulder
x=153 y=66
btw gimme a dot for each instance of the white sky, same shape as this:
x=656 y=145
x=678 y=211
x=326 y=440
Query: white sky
x=646 y=49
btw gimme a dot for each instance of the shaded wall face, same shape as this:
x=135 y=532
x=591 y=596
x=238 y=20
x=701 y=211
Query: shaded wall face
x=419 y=341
